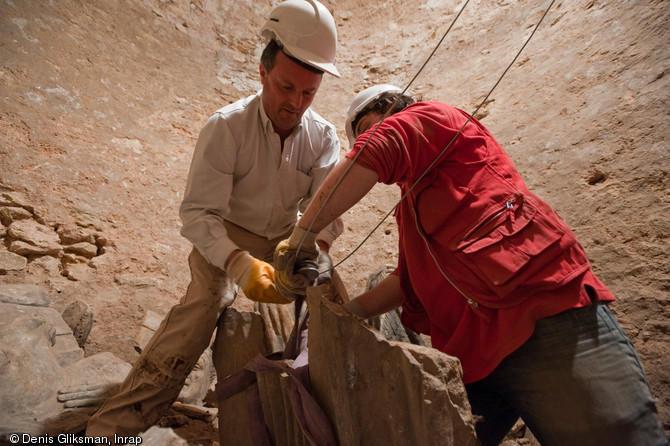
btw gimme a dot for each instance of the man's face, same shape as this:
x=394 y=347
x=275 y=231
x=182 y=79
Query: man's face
x=288 y=90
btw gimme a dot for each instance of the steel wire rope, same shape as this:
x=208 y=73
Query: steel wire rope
x=473 y=303
x=430 y=166
x=386 y=115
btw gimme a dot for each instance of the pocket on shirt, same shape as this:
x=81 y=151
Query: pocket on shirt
x=513 y=243
x=297 y=188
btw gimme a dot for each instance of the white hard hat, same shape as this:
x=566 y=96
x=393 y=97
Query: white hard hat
x=362 y=100
x=306 y=31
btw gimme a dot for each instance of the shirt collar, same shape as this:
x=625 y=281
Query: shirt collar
x=265 y=120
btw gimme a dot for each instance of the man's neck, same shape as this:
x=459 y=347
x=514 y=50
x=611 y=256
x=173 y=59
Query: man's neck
x=283 y=134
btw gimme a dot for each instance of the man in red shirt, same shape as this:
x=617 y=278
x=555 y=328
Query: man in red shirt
x=491 y=273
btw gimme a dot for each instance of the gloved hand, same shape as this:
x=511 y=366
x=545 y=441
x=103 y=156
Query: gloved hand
x=287 y=256
x=256 y=278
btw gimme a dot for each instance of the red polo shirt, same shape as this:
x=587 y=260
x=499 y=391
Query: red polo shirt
x=481 y=258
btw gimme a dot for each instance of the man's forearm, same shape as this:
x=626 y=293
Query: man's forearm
x=209 y=236
x=384 y=297
x=324 y=209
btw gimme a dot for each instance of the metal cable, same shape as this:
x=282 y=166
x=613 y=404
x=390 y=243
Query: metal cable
x=387 y=114
x=430 y=166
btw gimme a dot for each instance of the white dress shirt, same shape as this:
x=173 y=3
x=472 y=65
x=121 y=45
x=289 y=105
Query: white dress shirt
x=240 y=173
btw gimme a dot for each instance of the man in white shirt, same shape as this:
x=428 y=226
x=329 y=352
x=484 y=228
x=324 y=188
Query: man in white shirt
x=257 y=163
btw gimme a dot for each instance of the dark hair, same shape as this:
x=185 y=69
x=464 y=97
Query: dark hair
x=382 y=104
x=270 y=53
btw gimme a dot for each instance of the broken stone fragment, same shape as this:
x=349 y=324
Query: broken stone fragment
x=14 y=199
x=10 y=214
x=32 y=238
x=82 y=249
x=12 y=262
x=79 y=318
x=44 y=371
x=76 y=271
x=149 y=326
x=137 y=281
x=69 y=257
x=72 y=235
x=50 y=266
x=161 y=436
x=24 y=294
x=379 y=392
x=26 y=249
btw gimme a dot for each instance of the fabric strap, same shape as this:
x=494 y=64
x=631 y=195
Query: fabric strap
x=313 y=421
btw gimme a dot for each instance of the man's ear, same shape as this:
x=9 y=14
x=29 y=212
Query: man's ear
x=263 y=73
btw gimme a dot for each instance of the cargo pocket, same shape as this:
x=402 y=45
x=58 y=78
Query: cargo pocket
x=508 y=245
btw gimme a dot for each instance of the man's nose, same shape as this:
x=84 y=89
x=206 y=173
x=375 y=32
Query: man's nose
x=295 y=99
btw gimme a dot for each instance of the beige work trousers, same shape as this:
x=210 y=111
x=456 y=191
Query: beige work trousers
x=158 y=376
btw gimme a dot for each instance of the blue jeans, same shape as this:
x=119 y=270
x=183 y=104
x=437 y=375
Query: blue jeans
x=576 y=381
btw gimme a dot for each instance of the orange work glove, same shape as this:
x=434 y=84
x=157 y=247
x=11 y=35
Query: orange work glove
x=288 y=281
x=256 y=278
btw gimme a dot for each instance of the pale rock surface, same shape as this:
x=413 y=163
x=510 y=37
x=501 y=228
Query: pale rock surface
x=84 y=249
x=11 y=262
x=161 y=436
x=71 y=234
x=24 y=294
x=379 y=392
x=40 y=362
x=33 y=238
x=45 y=265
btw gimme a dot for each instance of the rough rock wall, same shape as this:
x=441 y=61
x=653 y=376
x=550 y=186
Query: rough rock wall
x=101 y=106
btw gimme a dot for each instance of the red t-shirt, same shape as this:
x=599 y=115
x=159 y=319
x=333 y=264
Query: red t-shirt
x=505 y=257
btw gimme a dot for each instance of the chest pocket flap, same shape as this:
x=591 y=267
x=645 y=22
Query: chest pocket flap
x=508 y=242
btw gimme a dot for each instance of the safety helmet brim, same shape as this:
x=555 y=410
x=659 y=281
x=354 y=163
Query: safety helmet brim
x=305 y=29
x=362 y=100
